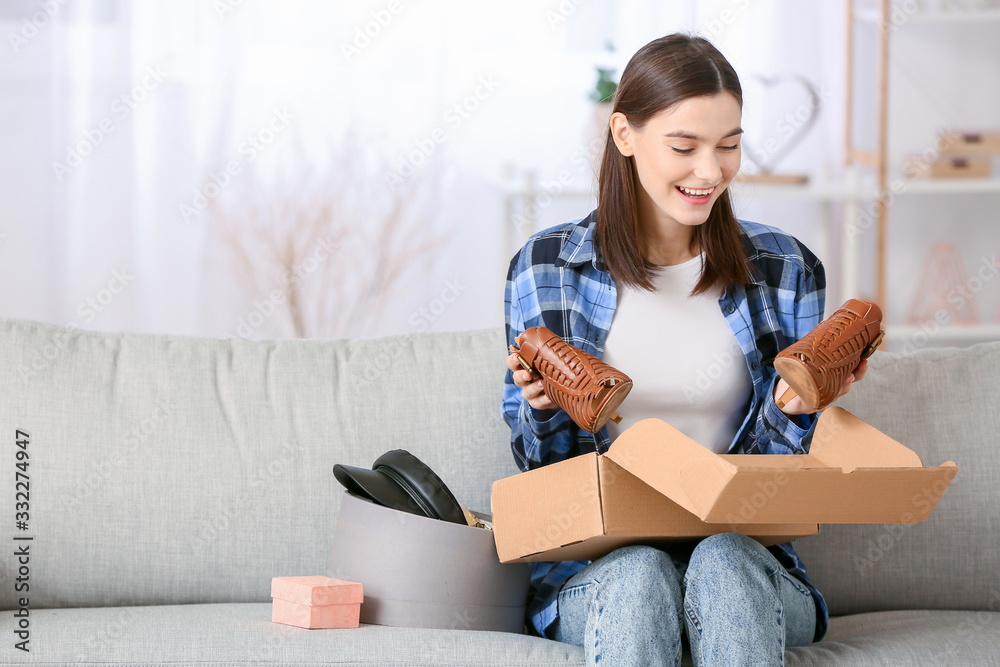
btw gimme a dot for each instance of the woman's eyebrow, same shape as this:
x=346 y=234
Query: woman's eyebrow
x=684 y=134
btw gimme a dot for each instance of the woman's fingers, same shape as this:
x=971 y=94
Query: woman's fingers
x=533 y=390
x=534 y=393
x=846 y=387
x=543 y=404
x=521 y=377
x=512 y=362
x=531 y=387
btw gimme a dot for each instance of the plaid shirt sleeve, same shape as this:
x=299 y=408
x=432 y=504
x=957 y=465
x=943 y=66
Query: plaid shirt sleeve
x=774 y=431
x=535 y=442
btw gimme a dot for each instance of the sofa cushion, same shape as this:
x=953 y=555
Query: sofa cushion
x=941 y=403
x=896 y=638
x=172 y=470
x=243 y=634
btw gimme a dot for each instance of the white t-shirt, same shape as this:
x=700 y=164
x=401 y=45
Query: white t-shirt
x=685 y=363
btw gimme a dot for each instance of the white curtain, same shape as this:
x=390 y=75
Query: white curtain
x=192 y=166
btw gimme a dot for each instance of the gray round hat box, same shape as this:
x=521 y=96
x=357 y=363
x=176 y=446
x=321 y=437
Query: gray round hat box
x=426 y=573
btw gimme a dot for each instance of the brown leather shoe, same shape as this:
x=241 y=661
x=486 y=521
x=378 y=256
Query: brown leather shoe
x=585 y=387
x=816 y=366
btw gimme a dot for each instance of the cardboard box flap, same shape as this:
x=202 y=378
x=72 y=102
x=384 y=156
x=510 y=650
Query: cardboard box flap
x=843 y=441
x=826 y=495
x=853 y=473
x=657 y=453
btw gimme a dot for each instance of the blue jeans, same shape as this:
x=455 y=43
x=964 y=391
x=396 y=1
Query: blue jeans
x=736 y=602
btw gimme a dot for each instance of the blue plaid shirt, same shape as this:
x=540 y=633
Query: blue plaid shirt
x=558 y=280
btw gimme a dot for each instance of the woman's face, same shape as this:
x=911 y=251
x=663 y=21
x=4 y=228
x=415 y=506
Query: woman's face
x=686 y=155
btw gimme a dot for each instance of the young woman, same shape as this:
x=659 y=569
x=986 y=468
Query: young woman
x=664 y=283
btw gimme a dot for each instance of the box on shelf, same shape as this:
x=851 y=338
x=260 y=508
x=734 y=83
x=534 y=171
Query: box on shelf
x=950 y=166
x=656 y=486
x=426 y=573
x=970 y=142
x=316 y=602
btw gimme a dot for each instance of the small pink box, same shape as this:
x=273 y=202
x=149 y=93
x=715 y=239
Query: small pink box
x=316 y=602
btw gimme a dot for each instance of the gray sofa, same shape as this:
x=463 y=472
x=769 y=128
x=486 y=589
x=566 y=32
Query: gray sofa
x=171 y=478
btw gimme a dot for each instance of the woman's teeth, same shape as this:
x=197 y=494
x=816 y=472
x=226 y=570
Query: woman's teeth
x=690 y=192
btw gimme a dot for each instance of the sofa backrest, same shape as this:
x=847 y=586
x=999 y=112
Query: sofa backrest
x=169 y=470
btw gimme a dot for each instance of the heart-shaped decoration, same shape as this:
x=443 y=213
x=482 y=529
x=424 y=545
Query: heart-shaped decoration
x=789 y=127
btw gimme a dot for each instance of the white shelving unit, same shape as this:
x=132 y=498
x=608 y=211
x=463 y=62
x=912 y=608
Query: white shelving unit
x=956 y=186
x=884 y=21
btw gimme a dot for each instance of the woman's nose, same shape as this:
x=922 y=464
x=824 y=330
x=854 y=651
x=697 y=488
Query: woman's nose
x=708 y=169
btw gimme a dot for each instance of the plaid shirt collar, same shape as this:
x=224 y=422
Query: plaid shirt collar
x=579 y=249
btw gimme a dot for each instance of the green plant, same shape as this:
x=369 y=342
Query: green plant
x=605 y=87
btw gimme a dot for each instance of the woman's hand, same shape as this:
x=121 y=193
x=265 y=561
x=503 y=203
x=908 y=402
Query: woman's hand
x=531 y=388
x=797 y=407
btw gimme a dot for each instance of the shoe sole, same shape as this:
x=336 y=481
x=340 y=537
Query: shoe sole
x=606 y=403
x=796 y=374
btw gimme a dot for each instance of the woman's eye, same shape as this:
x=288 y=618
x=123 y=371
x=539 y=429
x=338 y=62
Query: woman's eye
x=688 y=151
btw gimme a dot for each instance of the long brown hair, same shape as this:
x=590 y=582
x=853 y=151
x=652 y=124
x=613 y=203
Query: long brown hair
x=666 y=71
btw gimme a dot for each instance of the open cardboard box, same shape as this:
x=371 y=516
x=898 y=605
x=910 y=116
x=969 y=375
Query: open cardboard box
x=656 y=485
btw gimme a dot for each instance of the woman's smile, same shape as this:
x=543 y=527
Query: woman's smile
x=697 y=196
